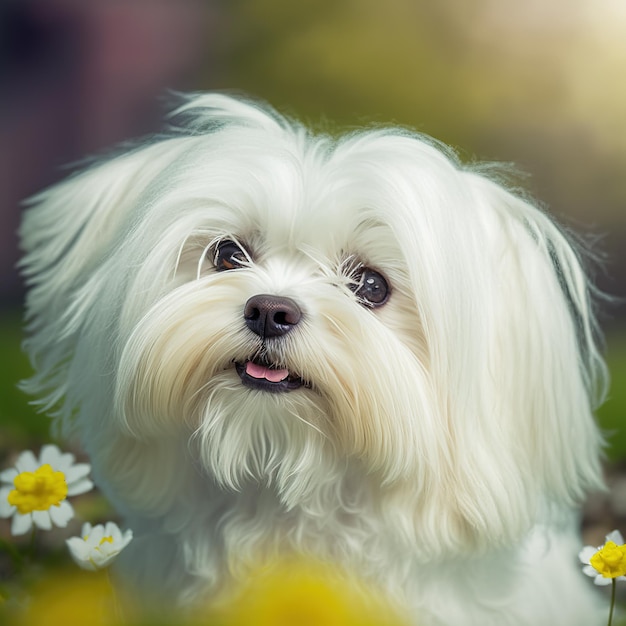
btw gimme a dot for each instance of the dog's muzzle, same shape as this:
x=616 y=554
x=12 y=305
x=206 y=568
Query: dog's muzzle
x=269 y=317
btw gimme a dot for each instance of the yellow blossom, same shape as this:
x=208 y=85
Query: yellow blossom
x=69 y=599
x=308 y=594
x=38 y=490
x=610 y=560
x=34 y=491
x=607 y=563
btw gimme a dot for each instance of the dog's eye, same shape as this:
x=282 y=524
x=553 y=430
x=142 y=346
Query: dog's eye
x=370 y=287
x=229 y=256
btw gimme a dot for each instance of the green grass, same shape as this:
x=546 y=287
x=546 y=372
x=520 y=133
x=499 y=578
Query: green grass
x=20 y=424
x=612 y=414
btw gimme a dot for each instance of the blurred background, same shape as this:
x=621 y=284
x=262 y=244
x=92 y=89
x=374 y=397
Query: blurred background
x=539 y=84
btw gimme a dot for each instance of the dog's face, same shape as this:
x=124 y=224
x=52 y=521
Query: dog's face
x=296 y=304
x=278 y=318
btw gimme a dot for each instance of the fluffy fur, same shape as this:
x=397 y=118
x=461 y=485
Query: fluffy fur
x=441 y=441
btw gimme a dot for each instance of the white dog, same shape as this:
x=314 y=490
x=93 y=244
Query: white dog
x=270 y=342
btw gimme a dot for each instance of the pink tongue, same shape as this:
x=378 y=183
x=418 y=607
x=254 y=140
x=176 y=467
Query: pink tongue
x=259 y=371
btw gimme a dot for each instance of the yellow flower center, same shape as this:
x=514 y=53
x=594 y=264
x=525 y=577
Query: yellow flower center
x=103 y=540
x=610 y=561
x=38 y=490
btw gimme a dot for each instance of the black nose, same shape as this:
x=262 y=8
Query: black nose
x=271 y=316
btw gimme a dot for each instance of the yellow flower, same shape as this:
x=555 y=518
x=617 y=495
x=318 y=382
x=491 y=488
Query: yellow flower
x=308 y=594
x=292 y=593
x=610 y=561
x=35 y=491
x=68 y=598
x=606 y=563
x=38 y=490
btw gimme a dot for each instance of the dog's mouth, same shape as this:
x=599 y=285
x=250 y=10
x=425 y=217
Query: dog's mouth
x=268 y=377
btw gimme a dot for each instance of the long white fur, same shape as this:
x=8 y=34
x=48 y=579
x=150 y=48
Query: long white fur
x=446 y=437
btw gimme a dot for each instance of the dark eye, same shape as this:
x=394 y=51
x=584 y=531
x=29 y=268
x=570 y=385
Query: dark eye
x=370 y=287
x=229 y=256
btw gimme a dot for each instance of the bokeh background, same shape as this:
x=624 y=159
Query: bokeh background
x=539 y=84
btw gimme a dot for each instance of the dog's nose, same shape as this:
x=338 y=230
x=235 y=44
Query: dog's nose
x=271 y=316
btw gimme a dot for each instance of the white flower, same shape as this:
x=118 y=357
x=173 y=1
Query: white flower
x=35 y=490
x=98 y=545
x=609 y=561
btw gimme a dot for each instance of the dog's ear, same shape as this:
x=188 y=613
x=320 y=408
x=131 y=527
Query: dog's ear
x=66 y=233
x=67 y=230
x=532 y=444
x=514 y=357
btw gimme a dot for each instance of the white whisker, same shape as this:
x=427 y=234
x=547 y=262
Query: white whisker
x=202 y=259
x=179 y=255
x=324 y=435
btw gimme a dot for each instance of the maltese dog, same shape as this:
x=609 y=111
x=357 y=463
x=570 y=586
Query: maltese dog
x=274 y=342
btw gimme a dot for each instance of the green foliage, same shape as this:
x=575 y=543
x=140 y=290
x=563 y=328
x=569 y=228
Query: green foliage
x=20 y=424
x=612 y=414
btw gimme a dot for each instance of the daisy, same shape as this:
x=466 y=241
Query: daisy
x=35 y=491
x=606 y=563
x=98 y=545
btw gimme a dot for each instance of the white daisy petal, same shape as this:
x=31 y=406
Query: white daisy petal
x=21 y=524
x=42 y=520
x=26 y=462
x=77 y=472
x=50 y=454
x=112 y=530
x=80 y=553
x=86 y=530
x=616 y=537
x=66 y=461
x=61 y=514
x=82 y=486
x=97 y=533
x=586 y=553
x=588 y=570
x=78 y=547
x=601 y=581
x=8 y=475
x=6 y=509
x=126 y=538
x=59 y=461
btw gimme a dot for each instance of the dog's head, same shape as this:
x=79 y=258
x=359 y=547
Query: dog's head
x=293 y=304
